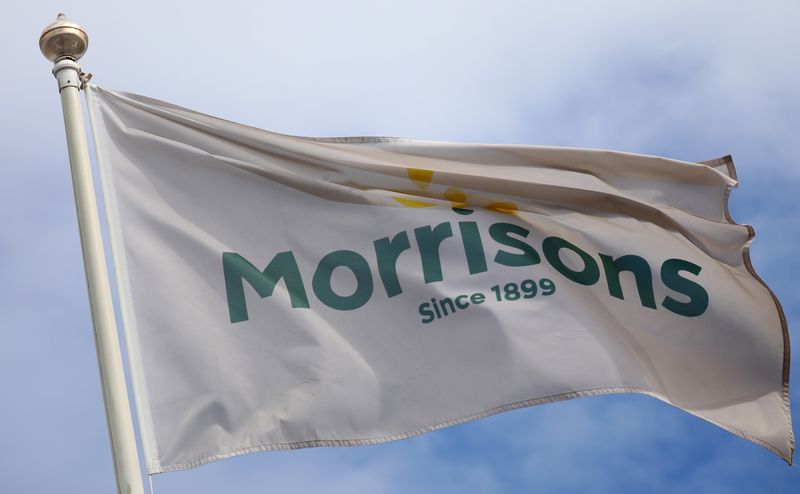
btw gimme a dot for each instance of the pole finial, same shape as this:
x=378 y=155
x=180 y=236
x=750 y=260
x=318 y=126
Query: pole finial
x=63 y=39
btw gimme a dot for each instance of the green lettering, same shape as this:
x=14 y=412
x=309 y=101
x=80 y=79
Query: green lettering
x=590 y=273
x=698 y=296
x=425 y=312
x=237 y=269
x=641 y=274
x=428 y=241
x=444 y=304
x=387 y=251
x=322 y=280
x=473 y=247
x=500 y=234
x=477 y=298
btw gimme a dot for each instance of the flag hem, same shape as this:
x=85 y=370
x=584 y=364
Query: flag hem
x=751 y=233
x=157 y=468
x=119 y=263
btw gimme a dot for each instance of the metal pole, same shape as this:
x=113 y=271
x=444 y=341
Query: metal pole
x=64 y=42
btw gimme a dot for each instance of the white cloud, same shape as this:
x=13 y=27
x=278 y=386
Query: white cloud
x=691 y=80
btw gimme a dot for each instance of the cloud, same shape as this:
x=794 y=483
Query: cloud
x=690 y=80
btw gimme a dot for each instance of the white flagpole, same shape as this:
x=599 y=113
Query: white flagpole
x=64 y=42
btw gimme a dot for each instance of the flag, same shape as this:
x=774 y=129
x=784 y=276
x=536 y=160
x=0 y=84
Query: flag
x=282 y=292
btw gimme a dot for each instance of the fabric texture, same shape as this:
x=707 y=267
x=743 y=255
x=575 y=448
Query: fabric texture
x=281 y=292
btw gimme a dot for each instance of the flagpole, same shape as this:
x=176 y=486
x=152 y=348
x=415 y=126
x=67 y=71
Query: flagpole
x=63 y=43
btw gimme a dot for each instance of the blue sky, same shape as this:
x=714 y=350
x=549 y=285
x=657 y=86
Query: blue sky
x=686 y=80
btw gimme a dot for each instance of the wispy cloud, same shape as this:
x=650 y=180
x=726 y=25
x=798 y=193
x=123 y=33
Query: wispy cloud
x=690 y=80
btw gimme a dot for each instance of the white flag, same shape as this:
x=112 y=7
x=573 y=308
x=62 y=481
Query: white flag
x=283 y=292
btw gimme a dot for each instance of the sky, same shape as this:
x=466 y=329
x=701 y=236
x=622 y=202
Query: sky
x=686 y=80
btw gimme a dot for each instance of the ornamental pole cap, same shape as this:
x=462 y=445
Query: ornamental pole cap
x=63 y=38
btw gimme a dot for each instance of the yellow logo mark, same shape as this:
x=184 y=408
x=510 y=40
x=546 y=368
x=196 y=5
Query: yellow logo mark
x=422 y=178
x=458 y=199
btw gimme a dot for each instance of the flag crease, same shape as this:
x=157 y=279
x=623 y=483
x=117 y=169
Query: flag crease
x=282 y=292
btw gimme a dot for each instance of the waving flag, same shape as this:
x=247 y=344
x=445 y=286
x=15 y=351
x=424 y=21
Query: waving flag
x=283 y=292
